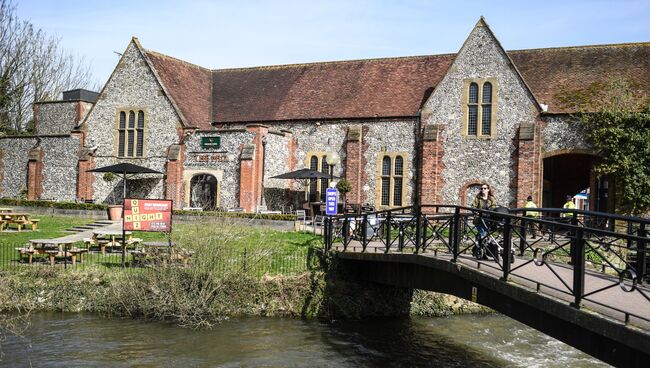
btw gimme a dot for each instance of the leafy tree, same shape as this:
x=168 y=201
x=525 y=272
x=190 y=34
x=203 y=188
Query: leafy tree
x=622 y=138
x=617 y=117
x=33 y=68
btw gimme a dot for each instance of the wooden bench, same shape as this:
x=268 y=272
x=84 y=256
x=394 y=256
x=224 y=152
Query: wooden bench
x=29 y=252
x=34 y=223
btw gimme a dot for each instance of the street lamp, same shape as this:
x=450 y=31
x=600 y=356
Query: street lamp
x=332 y=159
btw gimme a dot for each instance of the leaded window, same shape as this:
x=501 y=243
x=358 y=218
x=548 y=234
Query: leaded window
x=480 y=100
x=486 y=109
x=130 y=133
x=472 y=105
x=391 y=180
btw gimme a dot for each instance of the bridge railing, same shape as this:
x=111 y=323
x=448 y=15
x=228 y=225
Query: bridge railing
x=573 y=244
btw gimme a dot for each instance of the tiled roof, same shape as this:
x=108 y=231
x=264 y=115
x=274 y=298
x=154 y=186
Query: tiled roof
x=189 y=85
x=391 y=87
x=554 y=71
x=347 y=89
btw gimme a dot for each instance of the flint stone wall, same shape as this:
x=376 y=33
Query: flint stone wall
x=132 y=86
x=224 y=160
x=330 y=136
x=472 y=160
x=60 y=158
x=561 y=133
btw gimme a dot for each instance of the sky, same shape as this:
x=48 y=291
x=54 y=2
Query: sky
x=241 y=33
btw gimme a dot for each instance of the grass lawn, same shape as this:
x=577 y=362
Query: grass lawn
x=49 y=227
x=213 y=246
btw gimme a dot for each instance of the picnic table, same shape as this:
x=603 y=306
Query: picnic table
x=6 y=209
x=20 y=219
x=110 y=238
x=160 y=252
x=53 y=248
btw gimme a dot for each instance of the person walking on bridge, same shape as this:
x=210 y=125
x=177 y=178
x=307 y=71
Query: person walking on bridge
x=484 y=200
x=530 y=225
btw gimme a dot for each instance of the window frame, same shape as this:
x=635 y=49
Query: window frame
x=379 y=194
x=322 y=167
x=139 y=133
x=479 y=105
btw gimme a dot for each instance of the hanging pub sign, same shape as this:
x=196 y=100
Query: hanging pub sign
x=148 y=215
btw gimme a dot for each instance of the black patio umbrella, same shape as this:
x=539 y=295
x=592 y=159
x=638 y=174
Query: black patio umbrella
x=306 y=174
x=125 y=168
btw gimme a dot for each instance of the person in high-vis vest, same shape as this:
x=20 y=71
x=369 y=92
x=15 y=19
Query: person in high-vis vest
x=530 y=225
x=568 y=205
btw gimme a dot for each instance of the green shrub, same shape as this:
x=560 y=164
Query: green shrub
x=262 y=216
x=50 y=204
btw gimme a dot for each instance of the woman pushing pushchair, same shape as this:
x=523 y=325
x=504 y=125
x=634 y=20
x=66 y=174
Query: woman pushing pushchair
x=488 y=246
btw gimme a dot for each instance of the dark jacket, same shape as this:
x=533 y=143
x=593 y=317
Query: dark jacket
x=484 y=204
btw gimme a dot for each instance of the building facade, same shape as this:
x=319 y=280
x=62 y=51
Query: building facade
x=440 y=125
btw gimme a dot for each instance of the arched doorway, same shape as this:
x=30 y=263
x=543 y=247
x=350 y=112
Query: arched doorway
x=570 y=173
x=203 y=191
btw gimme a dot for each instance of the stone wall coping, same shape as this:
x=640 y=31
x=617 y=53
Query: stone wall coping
x=37 y=136
x=224 y=130
x=183 y=219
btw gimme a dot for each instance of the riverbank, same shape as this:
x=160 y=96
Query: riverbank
x=193 y=298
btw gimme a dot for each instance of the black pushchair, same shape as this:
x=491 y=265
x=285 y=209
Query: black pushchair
x=490 y=244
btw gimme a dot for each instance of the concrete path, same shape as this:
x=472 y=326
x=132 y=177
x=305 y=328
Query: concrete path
x=115 y=225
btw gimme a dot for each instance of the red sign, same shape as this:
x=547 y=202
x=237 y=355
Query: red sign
x=148 y=215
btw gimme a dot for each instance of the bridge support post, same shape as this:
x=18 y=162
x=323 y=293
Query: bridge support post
x=578 y=261
x=388 y=227
x=418 y=228
x=507 y=248
x=523 y=235
x=641 y=256
x=454 y=234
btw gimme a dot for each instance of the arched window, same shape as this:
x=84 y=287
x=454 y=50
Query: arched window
x=391 y=180
x=472 y=106
x=130 y=134
x=486 y=109
x=398 y=177
x=313 y=186
x=324 y=168
x=385 y=181
x=479 y=116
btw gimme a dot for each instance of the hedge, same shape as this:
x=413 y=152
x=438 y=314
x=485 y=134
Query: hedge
x=50 y=204
x=94 y=206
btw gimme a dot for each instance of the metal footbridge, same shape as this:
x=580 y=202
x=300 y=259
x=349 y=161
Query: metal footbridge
x=583 y=280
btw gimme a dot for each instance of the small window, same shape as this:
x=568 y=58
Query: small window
x=130 y=135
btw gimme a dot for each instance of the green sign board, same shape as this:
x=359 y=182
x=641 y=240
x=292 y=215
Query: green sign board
x=210 y=142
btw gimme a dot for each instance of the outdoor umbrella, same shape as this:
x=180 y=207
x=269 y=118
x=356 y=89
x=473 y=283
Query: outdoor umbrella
x=306 y=174
x=125 y=168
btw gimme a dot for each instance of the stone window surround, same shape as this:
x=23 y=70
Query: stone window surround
x=465 y=107
x=116 y=140
x=321 y=158
x=405 y=168
x=187 y=179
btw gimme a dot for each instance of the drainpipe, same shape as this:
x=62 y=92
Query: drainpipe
x=263 y=164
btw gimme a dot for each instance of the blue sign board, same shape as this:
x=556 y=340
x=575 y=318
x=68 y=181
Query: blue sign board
x=331 y=201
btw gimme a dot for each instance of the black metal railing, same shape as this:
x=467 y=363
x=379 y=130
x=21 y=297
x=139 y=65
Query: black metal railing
x=571 y=245
x=219 y=260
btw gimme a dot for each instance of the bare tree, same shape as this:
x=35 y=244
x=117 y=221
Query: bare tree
x=33 y=68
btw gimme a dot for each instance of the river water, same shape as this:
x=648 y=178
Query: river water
x=85 y=340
